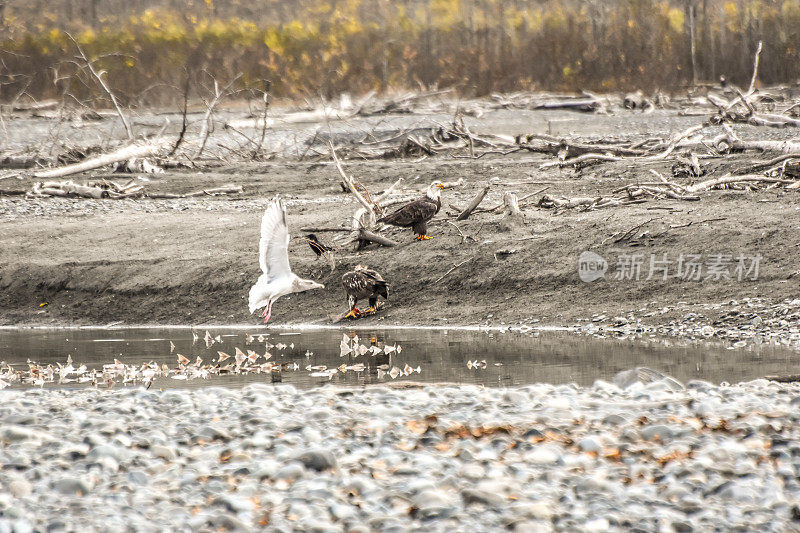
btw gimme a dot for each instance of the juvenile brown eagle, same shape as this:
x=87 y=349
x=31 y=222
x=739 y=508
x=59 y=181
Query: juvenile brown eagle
x=273 y=255
x=363 y=282
x=417 y=213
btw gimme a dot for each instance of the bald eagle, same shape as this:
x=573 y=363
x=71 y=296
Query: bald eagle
x=417 y=213
x=363 y=282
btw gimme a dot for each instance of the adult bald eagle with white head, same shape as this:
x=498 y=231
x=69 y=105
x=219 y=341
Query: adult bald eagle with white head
x=417 y=213
x=273 y=255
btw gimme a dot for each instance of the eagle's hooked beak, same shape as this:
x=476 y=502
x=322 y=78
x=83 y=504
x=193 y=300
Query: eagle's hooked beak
x=440 y=185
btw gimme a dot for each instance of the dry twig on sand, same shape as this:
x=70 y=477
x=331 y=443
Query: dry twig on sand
x=465 y=237
x=462 y=263
x=214 y=191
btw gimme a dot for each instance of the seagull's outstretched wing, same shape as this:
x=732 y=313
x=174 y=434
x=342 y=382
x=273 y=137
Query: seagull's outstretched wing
x=273 y=249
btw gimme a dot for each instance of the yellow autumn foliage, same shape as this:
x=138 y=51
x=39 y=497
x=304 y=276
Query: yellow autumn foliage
x=330 y=46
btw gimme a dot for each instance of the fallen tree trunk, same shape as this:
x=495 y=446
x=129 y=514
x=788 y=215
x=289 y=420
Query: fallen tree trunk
x=513 y=217
x=638 y=191
x=121 y=154
x=610 y=153
x=585 y=105
x=116 y=191
x=68 y=189
x=563 y=148
x=727 y=143
x=581 y=161
x=35 y=106
x=473 y=204
x=365 y=235
x=773 y=121
x=685 y=192
x=756 y=119
x=728 y=180
x=13 y=192
x=548 y=202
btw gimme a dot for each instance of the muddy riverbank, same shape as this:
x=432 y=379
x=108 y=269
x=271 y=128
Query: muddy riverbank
x=192 y=261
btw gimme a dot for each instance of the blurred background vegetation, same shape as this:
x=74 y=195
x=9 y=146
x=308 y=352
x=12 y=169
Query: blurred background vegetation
x=314 y=47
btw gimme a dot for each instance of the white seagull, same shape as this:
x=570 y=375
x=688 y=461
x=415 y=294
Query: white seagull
x=273 y=256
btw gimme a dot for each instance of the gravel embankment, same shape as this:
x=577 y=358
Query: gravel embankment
x=654 y=457
x=760 y=321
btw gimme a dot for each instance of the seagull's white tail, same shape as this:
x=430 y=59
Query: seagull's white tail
x=258 y=294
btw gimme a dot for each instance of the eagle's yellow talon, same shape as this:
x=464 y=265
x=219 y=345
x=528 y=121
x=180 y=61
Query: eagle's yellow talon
x=354 y=313
x=424 y=237
x=370 y=310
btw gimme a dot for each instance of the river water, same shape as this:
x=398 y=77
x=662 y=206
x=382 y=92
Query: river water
x=308 y=358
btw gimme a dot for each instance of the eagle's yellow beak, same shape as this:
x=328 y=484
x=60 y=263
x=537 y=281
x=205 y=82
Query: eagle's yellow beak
x=441 y=186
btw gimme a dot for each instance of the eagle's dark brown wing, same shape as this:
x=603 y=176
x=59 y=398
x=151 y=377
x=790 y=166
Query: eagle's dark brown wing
x=356 y=284
x=412 y=213
x=376 y=283
x=372 y=275
x=364 y=284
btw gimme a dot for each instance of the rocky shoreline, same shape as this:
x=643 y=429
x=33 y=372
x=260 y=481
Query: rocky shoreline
x=644 y=453
x=751 y=321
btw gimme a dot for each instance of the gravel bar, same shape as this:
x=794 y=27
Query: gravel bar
x=653 y=456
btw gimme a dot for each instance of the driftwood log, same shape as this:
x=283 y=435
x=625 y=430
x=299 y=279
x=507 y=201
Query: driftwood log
x=728 y=142
x=476 y=201
x=365 y=235
x=97 y=190
x=114 y=190
x=609 y=153
x=586 y=105
x=35 y=106
x=122 y=154
x=513 y=217
x=369 y=208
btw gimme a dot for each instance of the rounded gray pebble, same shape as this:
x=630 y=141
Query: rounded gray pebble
x=652 y=456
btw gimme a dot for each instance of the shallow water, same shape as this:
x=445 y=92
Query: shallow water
x=511 y=358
